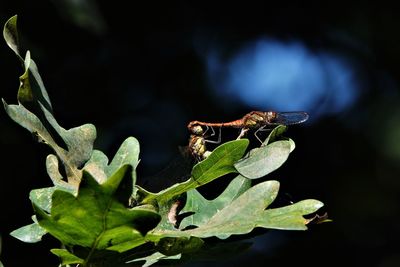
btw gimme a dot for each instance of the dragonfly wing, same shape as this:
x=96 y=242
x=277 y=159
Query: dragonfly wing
x=290 y=118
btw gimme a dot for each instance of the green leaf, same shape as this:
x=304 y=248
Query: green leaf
x=97 y=218
x=154 y=258
x=66 y=257
x=289 y=217
x=53 y=170
x=31 y=84
x=274 y=134
x=34 y=112
x=79 y=140
x=10 y=35
x=128 y=153
x=204 y=209
x=176 y=245
x=247 y=212
x=88 y=209
x=264 y=160
x=31 y=233
x=239 y=217
x=218 y=163
x=97 y=165
x=210 y=251
x=42 y=197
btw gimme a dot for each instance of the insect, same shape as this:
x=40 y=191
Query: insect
x=197 y=141
x=258 y=120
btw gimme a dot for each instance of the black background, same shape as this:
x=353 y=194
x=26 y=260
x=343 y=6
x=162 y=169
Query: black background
x=135 y=72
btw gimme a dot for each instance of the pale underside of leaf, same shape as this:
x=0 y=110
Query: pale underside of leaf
x=264 y=160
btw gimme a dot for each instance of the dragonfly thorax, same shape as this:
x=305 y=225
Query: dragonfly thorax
x=257 y=119
x=197 y=146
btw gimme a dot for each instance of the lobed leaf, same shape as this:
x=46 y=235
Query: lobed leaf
x=66 y=256
x=218 y=163
x=204 y=209
x=31 y=233
x=10 y=34
x=289 y=217
x=239 y=216
x=247 y=212
x=128 y=153
x=34 y=112
x=96 y=218
x=88 y=209
x=275 y=134
x=264 y=160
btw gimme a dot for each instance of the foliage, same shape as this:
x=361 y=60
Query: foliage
x=99 y=214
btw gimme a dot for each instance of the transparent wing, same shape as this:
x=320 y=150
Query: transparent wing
x=290 y=118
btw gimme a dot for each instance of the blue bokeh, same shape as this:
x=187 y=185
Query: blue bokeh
x=269 y=74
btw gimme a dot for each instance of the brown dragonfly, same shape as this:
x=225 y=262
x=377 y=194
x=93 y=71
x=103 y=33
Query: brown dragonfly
x=198 y=140
x=259 y=120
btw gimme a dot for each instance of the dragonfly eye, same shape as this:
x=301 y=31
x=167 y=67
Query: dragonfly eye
x=197 y=130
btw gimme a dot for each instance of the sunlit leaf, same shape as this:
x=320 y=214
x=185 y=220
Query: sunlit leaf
x=249 y=211
x=128 y=153
x=289 y=217
x=53 y=170
x=31 y=233
x=10 y=35
x=275 y=134
x=239 y=217
x=96 y=218
x=34 y=112
x=92 y=211
x=264 y=160
x=204 y=209
x=219 y=163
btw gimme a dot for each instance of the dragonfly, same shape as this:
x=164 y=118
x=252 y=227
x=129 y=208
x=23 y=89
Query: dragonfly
x=198 y=140
x=258 y=120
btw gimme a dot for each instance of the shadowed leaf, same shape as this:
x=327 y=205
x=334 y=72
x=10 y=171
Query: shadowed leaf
x=10 y=35
x=34 y=112
x=66 y=257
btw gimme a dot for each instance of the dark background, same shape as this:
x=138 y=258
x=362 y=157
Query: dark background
x=144 y=71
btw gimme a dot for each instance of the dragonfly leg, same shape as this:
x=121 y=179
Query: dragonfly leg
x=242 y=133
x=207 y=128
x=213 y=133
x=261 y=129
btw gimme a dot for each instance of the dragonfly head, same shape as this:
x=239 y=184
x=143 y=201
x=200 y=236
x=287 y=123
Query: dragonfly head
x=196 y=129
